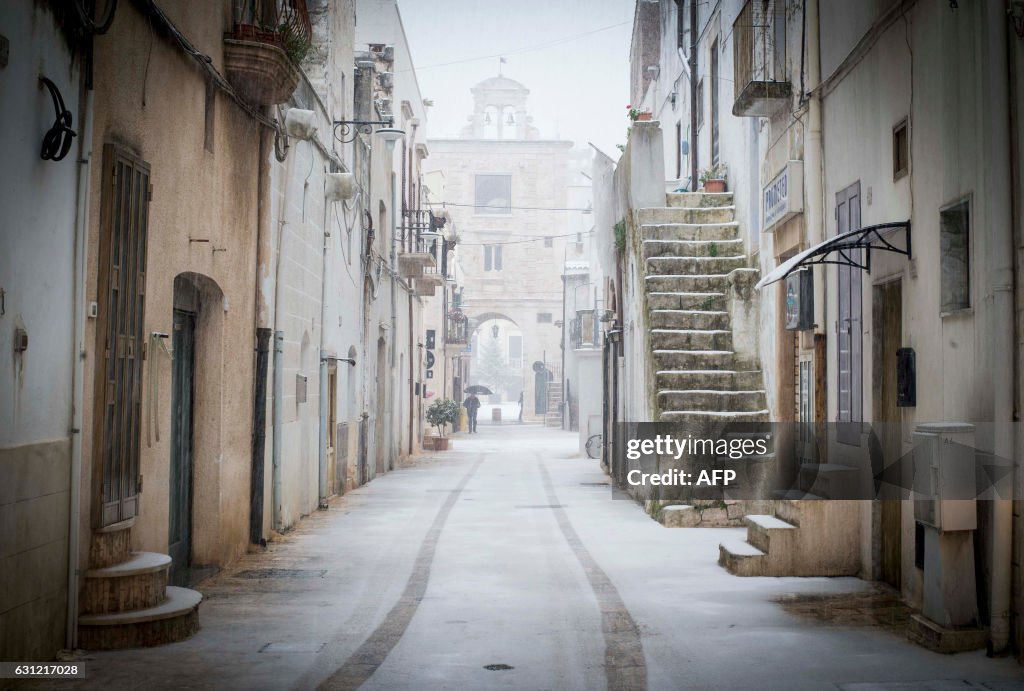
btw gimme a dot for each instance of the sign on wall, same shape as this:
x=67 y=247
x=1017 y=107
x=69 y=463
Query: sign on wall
x=783 y=197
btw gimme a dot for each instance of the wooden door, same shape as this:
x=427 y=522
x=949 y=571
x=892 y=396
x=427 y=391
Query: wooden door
x=887 y=322
x=120 y=335
x=179 y=532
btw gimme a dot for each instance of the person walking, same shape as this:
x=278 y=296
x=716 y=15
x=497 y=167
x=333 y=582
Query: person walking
x=520 y=406
x=472 y=405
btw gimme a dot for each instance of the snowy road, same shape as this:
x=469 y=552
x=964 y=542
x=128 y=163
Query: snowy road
x=507 y=563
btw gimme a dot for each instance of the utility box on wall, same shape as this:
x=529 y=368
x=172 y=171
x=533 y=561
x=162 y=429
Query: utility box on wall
x=944 y=476
x=800 y=300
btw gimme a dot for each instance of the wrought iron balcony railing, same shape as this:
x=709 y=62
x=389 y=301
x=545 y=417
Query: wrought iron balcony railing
x=759 y=59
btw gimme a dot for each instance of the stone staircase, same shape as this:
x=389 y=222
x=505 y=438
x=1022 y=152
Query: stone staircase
x=692 y=252
x=553 y=415
x=125 y=600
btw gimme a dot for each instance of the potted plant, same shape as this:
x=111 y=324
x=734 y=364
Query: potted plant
x=263 y=50
x=440 y=414
x=635 y=114
x=713 y=179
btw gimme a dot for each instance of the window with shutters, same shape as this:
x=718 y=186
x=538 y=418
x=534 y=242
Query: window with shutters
x=492 y=257
x=120 y=337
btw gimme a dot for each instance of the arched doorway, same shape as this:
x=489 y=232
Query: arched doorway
x=497 y=362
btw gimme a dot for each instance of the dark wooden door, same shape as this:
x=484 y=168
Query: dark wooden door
x=179 y=537
x=715 y=158
x=120 y=335
x=850 y=331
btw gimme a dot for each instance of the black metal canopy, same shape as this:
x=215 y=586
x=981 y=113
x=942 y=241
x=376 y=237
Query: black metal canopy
x=841 y=250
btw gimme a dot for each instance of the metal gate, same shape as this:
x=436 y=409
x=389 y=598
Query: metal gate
x=124 y=215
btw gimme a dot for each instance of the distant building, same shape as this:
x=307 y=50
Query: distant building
x=506 y=190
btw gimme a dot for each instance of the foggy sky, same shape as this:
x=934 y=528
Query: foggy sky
x=579 y=88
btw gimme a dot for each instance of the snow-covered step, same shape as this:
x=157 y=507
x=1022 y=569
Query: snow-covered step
x=690 y=319
x=715 y=401
x=720 y=379
x=698 y=199
x=693 y=248
x=769 y=533
x=136 y=583
x=689 y=359
x=713 y=415
x=740 y=558
x=689 y=283
x=691 y=339
x=721 y=214
x=707 y=300
x=173 y=619
x=686 y=266
x=680 y=230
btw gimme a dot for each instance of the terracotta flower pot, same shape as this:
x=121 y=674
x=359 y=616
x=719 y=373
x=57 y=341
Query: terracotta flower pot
x=644 y=116
x=440 y=443
x=714 y=185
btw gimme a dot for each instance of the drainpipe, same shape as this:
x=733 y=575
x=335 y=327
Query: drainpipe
x=278 y=412
x=1001 y=285
x=78 y=364
x=694 y=34
x=814 y=173
x=324 y=362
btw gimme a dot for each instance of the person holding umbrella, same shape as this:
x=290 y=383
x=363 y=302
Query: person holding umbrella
x=472 y=405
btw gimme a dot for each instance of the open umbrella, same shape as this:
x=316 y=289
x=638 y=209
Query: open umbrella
x=479 y=389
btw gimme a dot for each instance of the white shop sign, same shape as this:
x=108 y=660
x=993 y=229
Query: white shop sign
x=783 y=197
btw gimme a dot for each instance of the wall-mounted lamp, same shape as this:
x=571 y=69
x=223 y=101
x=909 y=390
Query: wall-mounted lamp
x=349 y=360
x=345 y=131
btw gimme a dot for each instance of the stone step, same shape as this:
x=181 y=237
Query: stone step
x=711 y=400
x=693 y=248
x=174 y=619
x=691 y=339
x=740 y=558
x=664 y=214
x=690 y=319
x=708 y=416
x=709 y=301
x=718 y=380
x=705 y=283
x=698 y=199
x=770 y=534
x=689 y=359
x=690 y=232
x=111 y=544
x=137 y=583
x=687 y=266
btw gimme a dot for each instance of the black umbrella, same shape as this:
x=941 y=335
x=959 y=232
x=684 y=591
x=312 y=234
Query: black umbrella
x=480 y=389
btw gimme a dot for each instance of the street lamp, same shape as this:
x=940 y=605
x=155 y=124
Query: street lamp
x=345 y=131
x=390 y=135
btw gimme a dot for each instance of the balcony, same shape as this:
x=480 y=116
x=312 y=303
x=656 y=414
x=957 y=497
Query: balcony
x=457 y=332
x=759 y=59
x=583 y=329
x=418 y=241
x=264 y=48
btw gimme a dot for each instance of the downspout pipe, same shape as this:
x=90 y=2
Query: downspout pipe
x=78 y=365
x=814 y=156
x=997 y=134
x=694 y=149
x=324 y=402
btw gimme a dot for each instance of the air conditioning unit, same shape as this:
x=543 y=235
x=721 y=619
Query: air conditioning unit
x=944 y=476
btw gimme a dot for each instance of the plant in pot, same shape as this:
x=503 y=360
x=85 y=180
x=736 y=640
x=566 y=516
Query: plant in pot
x=440 y=414
x=713 y=179
x=636 y=114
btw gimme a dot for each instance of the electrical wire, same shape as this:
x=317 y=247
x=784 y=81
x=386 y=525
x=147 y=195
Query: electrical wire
x=519 y=242
x=510 y=208
x=528 y=49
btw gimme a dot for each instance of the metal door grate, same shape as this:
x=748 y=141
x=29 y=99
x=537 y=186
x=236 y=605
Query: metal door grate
x=122 y=291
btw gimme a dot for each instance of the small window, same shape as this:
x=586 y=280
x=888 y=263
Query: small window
x=954 y=230
x=492 y=257
x=549 y=241
x=493 y=194
x=544 y=317
x=900 y=150
x=700 y=103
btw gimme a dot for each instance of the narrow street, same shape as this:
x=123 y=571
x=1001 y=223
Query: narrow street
x=510 y=550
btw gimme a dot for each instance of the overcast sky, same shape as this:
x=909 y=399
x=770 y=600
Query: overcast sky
x=579 y=84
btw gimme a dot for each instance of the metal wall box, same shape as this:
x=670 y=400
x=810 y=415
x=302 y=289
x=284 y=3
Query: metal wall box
x=944 y=476
x=800 y=300
x=300 y=388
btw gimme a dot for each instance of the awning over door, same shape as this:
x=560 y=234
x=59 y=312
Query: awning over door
x=841 y=250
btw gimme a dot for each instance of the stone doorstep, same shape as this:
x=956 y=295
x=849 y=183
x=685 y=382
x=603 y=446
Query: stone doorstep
x=740 y=558
x=179 y=602
x=926 y=633
x=139 y=563
x=761 y=528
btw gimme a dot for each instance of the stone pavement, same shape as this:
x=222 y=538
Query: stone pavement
x=507 y=563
